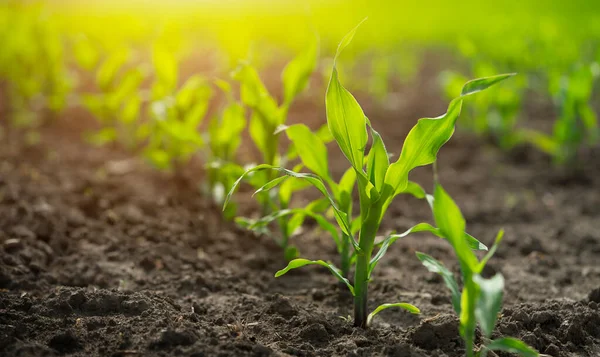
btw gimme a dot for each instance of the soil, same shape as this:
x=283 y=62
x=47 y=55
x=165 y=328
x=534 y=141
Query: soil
x=101 y=256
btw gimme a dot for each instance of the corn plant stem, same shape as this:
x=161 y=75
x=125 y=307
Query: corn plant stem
x=361 y=290
x=469 y=330
x=367 y=235
x=345 y=253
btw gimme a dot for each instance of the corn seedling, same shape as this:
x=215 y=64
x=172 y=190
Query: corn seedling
x=481 y=299
x=118 y=104
x=32 y=62
x=266 y=117
x=577 y=125
x=175 y=114
x=378 y=181
x=224 y=139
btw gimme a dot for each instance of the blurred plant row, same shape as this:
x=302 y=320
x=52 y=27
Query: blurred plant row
x=142 y=99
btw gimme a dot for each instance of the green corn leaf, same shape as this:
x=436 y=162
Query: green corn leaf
x=341 y=217
x=260 y=132
x=255 y=95
x=489 y=302
x=107 y=73
x=321 y=221
x=468 y=322
x=480 y=84
x=297 y=73
x=269 y=185
x=426 y=227
x=356 y=224
x=310 y=148
x=451 y=223
x=345 y=118
x=324 y=134
x=541 y=141
x=378 y=161
x=436 y=266
x=287 y=188
x=297 y=263
x=225 y=132
x=491 y=252
x=166 y=72
x=389 y=240
x=413 y=188
x=427 y=137
x=290 y=253
x=343 y=190
x=408 y=307
x=512 y=345
x=131 y=110
x=128 y=86
x=194 y=90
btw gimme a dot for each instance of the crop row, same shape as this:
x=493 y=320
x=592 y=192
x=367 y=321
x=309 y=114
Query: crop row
x=161 y=123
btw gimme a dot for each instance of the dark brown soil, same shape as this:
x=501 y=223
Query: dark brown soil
x=100 y=256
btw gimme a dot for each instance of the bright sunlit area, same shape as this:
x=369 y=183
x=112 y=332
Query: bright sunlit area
x=317 y=178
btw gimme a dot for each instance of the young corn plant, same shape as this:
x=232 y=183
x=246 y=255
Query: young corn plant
x=175 y=115
x=480 y=300
x=266 y=117
x=312 y=151
x=378 y=180
x=33 y=66
x=118 y=104
x=224 y=139
x=577 y=125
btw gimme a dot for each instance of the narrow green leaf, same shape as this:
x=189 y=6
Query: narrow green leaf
x=344 y=190
x=427 y=137
x=477 y=85
x=451 y=223
x=260 y=132
x=468 y=303
x=297 y=73
x=491 y=252
x=413 y=188
x=435 y=266
x=345 y=117
x=314 y=180
x=269 y=185
x=288 y=187
x=310 y=148
x=389 y=240
x=512 y=345
x=408 y=307
x=489 y=302
x=297 y=263
x=378 y=161
x=321 y=221
x=255 y=95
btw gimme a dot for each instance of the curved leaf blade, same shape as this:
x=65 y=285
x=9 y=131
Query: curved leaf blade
x=297 y=263
x=408 y=307
x=345 y=118
x=310 y=148
x=512 y=345
x=435 y=266
x=489 y=302
x=427 y=137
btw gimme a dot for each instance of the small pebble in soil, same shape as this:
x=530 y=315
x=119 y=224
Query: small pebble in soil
x=12 y=245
